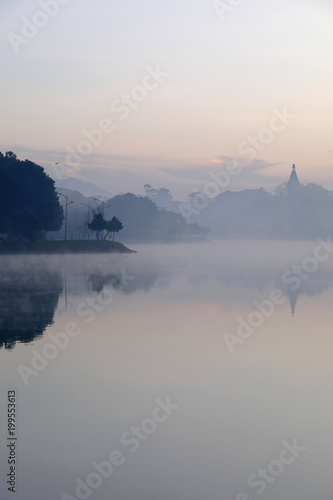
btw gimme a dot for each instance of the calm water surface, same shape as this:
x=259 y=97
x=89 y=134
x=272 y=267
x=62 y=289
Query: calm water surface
x=129 y=354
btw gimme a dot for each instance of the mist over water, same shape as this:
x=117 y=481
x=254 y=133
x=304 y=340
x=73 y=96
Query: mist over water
x=152 y=326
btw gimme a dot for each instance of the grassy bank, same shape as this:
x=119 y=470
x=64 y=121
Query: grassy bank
x=56 y=247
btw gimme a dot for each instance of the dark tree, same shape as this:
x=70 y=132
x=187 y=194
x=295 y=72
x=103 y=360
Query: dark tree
x=26 y=191
x=98 y=224
x=26 y=224
x=113 y=226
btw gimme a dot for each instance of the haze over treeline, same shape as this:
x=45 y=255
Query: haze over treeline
x=294 y=211
x=31 y=208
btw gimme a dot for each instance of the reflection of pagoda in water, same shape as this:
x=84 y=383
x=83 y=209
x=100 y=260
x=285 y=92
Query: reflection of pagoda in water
x=316 y=284
x=262 y=278
x=293 y=296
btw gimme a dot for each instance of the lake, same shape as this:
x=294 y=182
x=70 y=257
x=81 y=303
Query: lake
x=183 y=372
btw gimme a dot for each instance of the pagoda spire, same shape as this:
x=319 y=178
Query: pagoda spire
x=293 y=183
x=293 y=179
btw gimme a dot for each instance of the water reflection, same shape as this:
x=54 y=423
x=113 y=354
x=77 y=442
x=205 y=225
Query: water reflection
x=28 y=300
x=119 y=281
x=162 y=335
x=258 y=279
x=30 y=292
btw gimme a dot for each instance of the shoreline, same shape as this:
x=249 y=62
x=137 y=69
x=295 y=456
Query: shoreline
x=62 y=247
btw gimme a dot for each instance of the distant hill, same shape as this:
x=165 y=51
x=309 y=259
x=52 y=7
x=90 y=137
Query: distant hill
x=85 y=188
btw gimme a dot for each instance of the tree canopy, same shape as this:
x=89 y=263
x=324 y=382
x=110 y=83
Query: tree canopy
x=113 y=226
x=29 y=202
x=99 y=224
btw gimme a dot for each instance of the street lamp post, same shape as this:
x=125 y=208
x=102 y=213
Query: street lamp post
x=76 y=230
x=67 y=203
x=88 y=206
x=85 y=225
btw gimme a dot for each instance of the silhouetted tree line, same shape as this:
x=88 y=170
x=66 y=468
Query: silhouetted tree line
x=144 y=221
x=137 y=217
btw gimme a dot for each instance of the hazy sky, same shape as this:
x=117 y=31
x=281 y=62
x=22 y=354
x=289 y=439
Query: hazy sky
x=224 y=77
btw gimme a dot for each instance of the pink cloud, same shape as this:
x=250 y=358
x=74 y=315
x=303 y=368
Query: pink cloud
x=213 y=161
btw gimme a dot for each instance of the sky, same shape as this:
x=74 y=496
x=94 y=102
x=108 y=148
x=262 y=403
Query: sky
x=167 y=92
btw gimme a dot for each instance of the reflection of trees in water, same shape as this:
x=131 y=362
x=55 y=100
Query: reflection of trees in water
x=28 y=301
x=257 y=279
x=29 y=296
x=121 y=281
